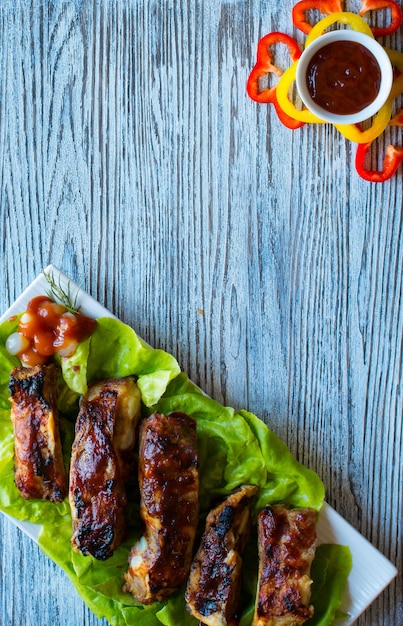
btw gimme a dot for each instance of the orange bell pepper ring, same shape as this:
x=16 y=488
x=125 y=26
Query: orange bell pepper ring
x=265 y=66
x=396 y=16
x=397 y=119
x=323 y=6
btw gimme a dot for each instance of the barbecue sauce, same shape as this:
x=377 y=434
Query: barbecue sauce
x=343 y=77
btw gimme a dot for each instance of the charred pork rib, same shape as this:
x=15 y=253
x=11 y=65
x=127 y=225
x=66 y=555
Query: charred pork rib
x=38 y=459
x=100 y=465
x=168 y=477
x=287 y=540
x=214 y=585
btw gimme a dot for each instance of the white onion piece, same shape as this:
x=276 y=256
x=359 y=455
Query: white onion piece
x=66 y=320
x=16 y=343
x=69 y=348
x=26 y=318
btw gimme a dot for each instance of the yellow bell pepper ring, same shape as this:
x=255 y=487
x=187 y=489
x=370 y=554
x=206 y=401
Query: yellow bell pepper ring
x=341 y=17
x=396 y=58
x=379 y=123
x=283 y=89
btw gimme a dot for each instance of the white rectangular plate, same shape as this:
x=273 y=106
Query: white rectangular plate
x=371 y=571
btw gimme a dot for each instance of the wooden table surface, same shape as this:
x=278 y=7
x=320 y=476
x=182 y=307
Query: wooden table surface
x=132 y=159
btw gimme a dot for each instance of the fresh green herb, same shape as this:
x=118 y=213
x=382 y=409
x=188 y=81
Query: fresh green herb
x=59 y=293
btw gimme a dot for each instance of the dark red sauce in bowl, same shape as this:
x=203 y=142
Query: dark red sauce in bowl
x=343 y=77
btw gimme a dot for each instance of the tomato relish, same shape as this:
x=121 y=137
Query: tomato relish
x=47 y=328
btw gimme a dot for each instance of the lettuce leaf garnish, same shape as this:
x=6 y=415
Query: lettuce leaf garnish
x=234 y=448
x=330 y=570
x=237 y=448
x=114 y=351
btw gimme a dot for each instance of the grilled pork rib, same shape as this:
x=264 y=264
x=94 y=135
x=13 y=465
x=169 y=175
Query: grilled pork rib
x=213 y=588
x=100 y=465
x=169 y=482
x=287 y=540
x=38 y=459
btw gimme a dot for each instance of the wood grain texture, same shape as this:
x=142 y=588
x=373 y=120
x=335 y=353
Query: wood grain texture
x=132 y=158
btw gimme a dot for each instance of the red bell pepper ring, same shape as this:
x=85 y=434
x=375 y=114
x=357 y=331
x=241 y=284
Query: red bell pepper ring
x=284 y=118
x=396 y=16
x=392 y=160
x=326 y=7
x=264 y=66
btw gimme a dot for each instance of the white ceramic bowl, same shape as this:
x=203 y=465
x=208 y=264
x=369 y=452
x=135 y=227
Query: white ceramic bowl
x=370 y=44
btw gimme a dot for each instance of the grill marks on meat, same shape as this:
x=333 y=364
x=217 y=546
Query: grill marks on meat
x=38 y=459
x=100 y=465
x=214 y=585
x=287 y=539
x=169 y=483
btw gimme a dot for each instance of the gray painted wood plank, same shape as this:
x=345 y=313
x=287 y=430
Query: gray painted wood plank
x=132 y=158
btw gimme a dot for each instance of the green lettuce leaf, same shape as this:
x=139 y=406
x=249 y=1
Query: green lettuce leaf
x=330 y=570
x=99 y=583
x=113 y=351
x=7 y=362
x=74 y=368
x=174 y=612
x=237 y=448
x=329 y=573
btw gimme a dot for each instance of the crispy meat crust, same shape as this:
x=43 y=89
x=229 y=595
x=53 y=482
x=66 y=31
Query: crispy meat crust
x=214 y=585
x=169 y=483
x=287 y=540
x=100 y=464
x=38 y=459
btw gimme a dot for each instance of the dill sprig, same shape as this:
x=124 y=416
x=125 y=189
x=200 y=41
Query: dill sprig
x=62 y=295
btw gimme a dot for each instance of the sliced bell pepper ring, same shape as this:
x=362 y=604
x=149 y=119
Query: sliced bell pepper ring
x=396 y=59
x=392 y=160
x=397 y=119
x=343 y=17
x=323 y=6
x=283 y=89
x=264 y=66
x=287 y=120
x=396 y=16
x=379 y=123
x=393 y=155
